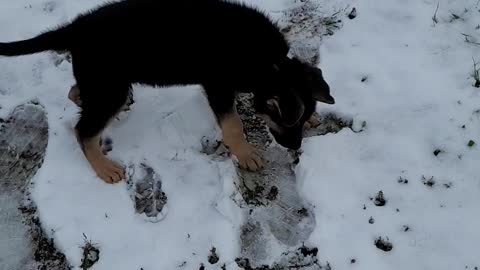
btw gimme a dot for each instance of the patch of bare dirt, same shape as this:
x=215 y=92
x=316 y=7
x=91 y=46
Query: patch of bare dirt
x=23 y=142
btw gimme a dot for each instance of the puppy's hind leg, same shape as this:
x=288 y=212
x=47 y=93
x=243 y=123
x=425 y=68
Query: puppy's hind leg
x=100 y=103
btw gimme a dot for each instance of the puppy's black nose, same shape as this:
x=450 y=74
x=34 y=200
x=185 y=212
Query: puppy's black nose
x=295 y=145
x=291 y=139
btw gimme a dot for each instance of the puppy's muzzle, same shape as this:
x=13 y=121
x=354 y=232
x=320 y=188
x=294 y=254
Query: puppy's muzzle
x=291 y=139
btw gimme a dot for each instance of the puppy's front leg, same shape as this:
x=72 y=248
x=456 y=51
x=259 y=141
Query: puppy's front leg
x=233 y=137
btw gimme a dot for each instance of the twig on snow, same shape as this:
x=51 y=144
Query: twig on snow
x=434 y=18
x=476 y=73
x=467 y=39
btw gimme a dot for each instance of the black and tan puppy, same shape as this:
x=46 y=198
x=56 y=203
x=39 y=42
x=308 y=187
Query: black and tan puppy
x=225 y=47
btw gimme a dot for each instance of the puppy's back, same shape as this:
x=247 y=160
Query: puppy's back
x=209 y=25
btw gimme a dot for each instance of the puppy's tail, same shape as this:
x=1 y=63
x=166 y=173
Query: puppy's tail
x=56 y=40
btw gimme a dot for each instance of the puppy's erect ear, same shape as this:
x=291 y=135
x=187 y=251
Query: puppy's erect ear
x=323 y=97
x=321 y=90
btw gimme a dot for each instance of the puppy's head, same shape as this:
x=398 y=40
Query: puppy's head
x=291 y=100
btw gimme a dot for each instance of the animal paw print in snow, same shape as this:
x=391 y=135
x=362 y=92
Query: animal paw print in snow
x=148 y=196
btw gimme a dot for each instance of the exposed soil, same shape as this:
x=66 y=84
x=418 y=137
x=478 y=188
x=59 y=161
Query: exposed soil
x=305 y=26
x=90 y=255
x=213 y=257
x=23 y=140
x=301 y=258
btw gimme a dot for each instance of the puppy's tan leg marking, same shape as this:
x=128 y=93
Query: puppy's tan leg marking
x=74 y=95
x=108 y=170
x=233 y=137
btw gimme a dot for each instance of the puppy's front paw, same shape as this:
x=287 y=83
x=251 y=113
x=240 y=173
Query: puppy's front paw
x=248 y=157
x=313 y=122
x=108 y=170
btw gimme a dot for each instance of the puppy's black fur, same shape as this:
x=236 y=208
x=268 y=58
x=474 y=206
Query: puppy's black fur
x=225 y=47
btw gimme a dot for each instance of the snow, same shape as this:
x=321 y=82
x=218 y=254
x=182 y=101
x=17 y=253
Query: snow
x=164 y=129
x=77 y=203
x=417 y=96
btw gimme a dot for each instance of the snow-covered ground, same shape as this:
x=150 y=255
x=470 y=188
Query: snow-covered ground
x=408 y=78
x=417 y=97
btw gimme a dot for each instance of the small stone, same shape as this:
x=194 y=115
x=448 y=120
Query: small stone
x=308 y=251
x=402 y=180
x=384 y=245
x=353 y=14
x=303 y=212
x=371 y=220
x=471 y=143
x=379 y=199
x=428 y=182
x=213 y=257
x=91 y=255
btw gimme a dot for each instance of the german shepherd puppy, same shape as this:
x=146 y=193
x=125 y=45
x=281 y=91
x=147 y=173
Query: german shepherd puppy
x=225 y=47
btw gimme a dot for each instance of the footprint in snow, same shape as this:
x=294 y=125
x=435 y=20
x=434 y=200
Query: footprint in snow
x=145 y=188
